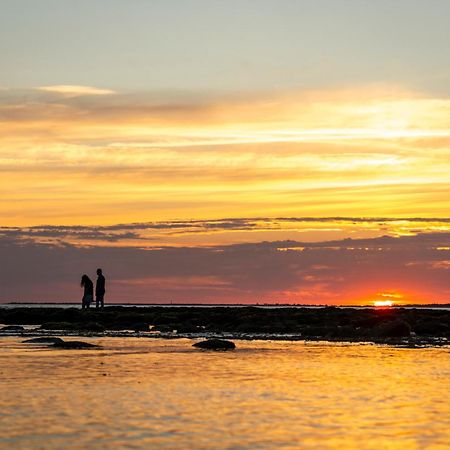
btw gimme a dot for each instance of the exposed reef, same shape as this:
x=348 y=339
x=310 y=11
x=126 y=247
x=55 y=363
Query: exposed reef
x=406 y=326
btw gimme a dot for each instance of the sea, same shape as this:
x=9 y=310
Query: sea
x=148 y=393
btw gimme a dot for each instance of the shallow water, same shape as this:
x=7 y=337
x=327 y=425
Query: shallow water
x=154 y=393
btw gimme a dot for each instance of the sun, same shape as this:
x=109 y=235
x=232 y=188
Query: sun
x=386 y=299
x=383 y=303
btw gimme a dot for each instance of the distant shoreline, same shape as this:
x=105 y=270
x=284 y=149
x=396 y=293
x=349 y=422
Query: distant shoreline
x=230 y=305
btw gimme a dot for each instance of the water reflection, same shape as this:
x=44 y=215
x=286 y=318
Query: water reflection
x=147 y=393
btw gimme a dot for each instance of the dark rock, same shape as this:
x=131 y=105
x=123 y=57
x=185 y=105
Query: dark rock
x=119 y=326
x=57 y=326
x=140 y=326
x=11 y=328
x=215 y=344
x=91 y=326
x=315 y=331
x=77 y=326
x=43 y=340
x=73 y=345
x=345 y=331
x=186 y=327
x=431 y=328
x=164 y=328
x=393 y=328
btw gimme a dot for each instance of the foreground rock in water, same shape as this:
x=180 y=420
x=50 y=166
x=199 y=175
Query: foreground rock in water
x=43 y=340
x=215 y=344
x=73 y=345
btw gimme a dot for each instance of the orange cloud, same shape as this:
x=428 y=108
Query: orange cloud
x=366 y=152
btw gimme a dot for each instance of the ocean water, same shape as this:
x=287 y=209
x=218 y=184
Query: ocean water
x=154 y=393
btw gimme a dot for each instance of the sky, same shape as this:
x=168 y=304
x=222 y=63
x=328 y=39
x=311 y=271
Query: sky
x=225 y=152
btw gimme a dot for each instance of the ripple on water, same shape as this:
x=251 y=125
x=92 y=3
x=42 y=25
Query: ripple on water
x=147 y=393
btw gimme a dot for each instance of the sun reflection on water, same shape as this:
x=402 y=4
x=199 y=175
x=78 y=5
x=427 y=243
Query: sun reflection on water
x=150 y=393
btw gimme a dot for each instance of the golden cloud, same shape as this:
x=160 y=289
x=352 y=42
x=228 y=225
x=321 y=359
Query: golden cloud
x=354 y=152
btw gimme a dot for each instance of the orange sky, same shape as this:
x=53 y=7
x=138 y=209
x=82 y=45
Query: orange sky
x=187 y=192
x=202 y=151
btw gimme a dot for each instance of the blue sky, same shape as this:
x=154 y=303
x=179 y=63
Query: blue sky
x=214 y=45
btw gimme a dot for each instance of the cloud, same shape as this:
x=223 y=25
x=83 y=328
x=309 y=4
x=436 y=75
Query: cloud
x=69 y=90
x=210 y=232
x=340 y=271
x=349 y=153
x=229 y=230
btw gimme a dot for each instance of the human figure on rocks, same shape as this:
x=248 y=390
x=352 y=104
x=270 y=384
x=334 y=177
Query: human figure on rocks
x=100 y=289
x=88 y=295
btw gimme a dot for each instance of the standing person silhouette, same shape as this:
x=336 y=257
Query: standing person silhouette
x=88 y=295
x=100 y=289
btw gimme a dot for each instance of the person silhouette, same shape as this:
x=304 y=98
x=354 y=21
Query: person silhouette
x=100 y=289
x=88 y=294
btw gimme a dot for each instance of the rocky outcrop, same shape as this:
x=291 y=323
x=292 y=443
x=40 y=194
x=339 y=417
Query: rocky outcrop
x=330 y=323
x=215 y=344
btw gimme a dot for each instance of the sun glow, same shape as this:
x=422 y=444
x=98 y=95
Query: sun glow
x=383 y=303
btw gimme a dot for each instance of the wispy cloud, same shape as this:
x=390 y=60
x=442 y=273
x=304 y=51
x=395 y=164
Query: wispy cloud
x=70 y=90
x=213 y=232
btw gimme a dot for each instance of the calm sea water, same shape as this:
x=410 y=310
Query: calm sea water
x=154 y=393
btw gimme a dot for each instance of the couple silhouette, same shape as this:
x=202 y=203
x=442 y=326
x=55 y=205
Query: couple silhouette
x=88 y=295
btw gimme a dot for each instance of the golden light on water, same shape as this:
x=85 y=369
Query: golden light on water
x=141 y=384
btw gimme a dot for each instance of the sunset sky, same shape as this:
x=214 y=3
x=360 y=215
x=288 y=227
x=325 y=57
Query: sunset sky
x=225 y=152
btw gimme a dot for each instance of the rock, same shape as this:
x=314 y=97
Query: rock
x=215 y=344
x=76 y=326
x=163 y=328
x=91 y=326
x=186 y=327
x=57 y=326
x=73 y=345
x=9 y=328
x=431 y=327
x=140 y=326
x=392 y=329
x=43 y=340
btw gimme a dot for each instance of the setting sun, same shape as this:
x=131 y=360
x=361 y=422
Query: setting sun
x=383 y=303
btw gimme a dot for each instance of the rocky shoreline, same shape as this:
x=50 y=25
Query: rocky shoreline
x=394 y=326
